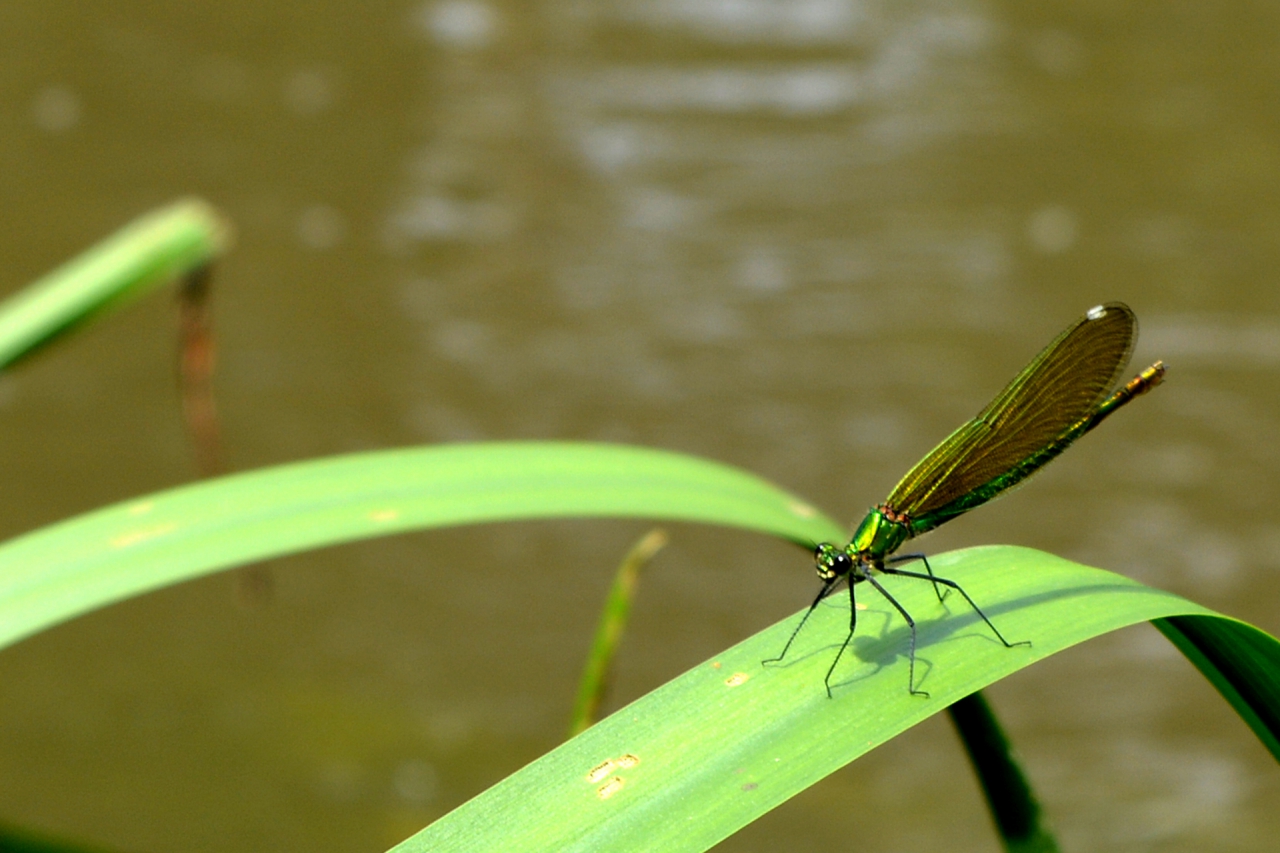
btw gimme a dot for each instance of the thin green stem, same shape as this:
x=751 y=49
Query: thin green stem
x=613 y=621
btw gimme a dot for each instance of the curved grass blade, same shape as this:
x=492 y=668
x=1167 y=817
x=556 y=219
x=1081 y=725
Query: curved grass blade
x=154 y=249
x=1238 y=659
x=692 y=762
x=613 y=621
x=53 y=574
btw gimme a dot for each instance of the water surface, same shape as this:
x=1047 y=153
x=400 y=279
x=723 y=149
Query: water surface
x=807 y=238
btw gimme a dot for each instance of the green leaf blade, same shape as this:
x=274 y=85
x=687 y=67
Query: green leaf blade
x=1241 y=661
x=72 y=567
x=714 y=755
x=150 y=251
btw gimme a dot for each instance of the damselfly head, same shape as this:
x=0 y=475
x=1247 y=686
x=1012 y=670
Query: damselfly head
x=831 y=562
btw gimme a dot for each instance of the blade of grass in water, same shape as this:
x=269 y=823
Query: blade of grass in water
x=613 y=622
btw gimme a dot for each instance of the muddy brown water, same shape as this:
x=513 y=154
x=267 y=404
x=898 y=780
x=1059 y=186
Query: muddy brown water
x=807 y=238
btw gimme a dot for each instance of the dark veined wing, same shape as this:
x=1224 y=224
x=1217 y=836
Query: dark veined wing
x=1064 y=383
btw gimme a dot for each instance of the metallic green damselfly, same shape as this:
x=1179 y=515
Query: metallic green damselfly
x=1062 y=394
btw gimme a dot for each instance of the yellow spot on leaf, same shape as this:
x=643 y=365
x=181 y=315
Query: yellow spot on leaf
x=736 y=679
x=601 y=770
x=604 y=768
x=803 y=509
x=608 y=789
x=142 y=508
x=384 y=515
x=124 y=540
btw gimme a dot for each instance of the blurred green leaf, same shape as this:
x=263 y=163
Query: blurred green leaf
x=16 y=840
x=83 y=563
x=1017 y=815
x=150 y=251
